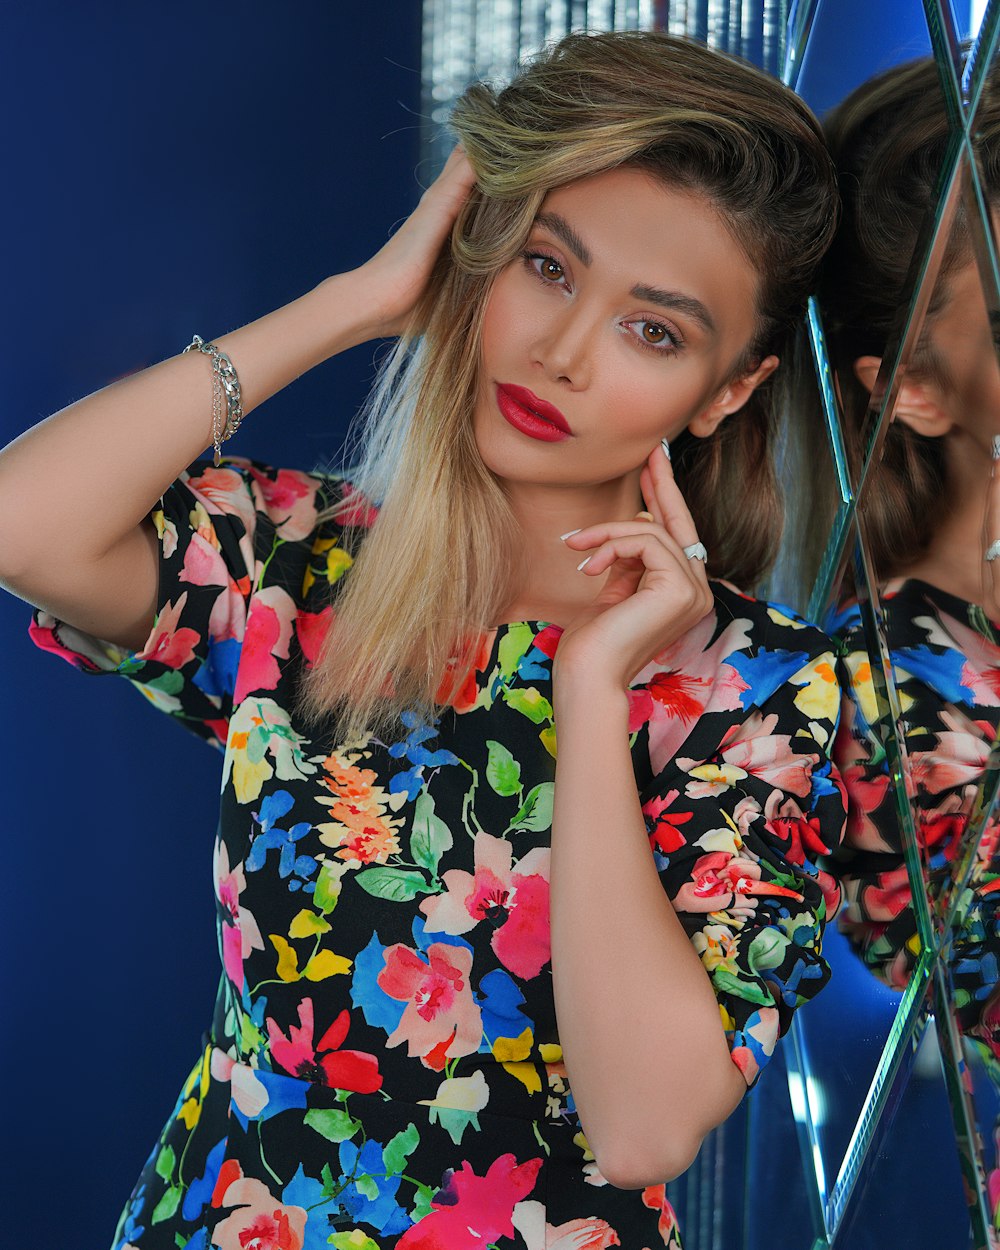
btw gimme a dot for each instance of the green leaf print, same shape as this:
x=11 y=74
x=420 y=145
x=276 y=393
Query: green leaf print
x=513 y=646
x=167 y=1205
x=355 y=1239
x=503 y=772
x=257 y=743
x=334 y=1125
x=165 y=1163
x=395 y=884
x=431 y=837
x=536 y=811
x=529 y=702
x=400 y=1148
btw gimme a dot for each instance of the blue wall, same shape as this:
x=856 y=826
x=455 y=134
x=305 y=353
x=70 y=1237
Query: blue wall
x=166 y=170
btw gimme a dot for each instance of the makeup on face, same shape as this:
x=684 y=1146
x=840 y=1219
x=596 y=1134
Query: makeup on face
x=532 y=416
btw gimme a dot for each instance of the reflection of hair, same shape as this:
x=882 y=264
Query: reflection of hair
x=889 y=141
x=437 y=566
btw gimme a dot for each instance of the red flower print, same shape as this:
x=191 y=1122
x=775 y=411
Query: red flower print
x=800 y=833
x=664 y=834
x=441 y=1021
x=515 y=900
x=655 y=1197
x=470 y=1212
x=311 y=628
x=465 y=696
x=326 y=1064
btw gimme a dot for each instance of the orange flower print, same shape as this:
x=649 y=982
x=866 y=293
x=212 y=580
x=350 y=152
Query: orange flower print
x=362 y=830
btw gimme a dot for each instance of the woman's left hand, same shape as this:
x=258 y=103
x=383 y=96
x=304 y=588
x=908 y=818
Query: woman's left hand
x=653 y=593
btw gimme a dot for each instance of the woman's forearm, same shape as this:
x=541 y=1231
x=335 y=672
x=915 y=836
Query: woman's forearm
x=138 y=433
x=639 y=1023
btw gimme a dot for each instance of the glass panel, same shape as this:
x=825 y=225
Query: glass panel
x=911 y=1193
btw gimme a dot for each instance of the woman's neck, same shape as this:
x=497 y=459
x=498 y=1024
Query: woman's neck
x=549 y=586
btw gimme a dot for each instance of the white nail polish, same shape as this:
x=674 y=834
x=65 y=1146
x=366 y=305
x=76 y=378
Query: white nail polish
x=568 y=534
x=996 y=446
x=666 y=447
x=582 y=563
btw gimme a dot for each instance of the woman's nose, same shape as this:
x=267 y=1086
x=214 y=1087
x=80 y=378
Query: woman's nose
x=565 y=348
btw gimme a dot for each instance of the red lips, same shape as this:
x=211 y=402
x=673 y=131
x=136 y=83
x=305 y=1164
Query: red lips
x=535 y=417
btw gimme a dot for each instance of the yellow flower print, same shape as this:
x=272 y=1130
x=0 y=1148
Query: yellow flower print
x=201 y=522
x=166 y=532
x=818 y=696
x=321 y=965
x=861 y=684
x=338 y=561
x=248 y=774
x=512 y=1053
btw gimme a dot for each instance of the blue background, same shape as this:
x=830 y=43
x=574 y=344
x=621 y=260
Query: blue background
x=168 y=171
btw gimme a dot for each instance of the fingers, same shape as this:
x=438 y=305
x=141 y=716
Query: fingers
x=667 y=498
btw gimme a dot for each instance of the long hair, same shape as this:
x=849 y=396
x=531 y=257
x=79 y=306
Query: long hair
x=889 y=139
x=438 y=565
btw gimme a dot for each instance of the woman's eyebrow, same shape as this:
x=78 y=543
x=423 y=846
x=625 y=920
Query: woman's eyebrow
x=674 y=301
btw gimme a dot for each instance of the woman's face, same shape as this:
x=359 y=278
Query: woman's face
x=622 y=320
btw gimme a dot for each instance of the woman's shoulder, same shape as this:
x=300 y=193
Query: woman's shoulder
x=767 y=624
x=292 y=502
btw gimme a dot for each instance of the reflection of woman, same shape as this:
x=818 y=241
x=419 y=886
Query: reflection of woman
x=638 y=220
x=924 y=518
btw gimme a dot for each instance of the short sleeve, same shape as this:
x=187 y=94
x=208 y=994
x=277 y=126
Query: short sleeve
x=217 y=528
x=737 y=827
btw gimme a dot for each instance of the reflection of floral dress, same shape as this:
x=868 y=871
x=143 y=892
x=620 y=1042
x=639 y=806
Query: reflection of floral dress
x=383 y=1067
x=946 y=664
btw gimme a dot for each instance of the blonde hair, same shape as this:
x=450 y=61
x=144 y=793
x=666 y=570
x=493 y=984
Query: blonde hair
x=438 y=566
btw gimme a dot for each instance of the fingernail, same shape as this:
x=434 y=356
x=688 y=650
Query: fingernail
x=583 y=563
x=644 y=516
x=568 y=534
x=996 y=446
x=666 y=447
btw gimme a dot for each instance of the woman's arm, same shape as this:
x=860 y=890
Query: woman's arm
x=639 y=1022
x=87 y=555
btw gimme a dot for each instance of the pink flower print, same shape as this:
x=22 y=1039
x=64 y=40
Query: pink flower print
x=471 y=1212
x=167 y=643
x=589 y=1233
x=223 y=490
x=267 y=638
x=240 y=931
x=583 y=1234
x=719 y=880
x=958 y=760
x=440 y=1021
x=289 y=500
x=514 y=900
x=260 y=1221
x=683 y=681
x=981 y=669
x=323 y=1063
x=754 y=748
x=311 y=628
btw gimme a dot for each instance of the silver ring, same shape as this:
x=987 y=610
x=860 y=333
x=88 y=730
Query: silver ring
x=993 y=552
x=696 y=551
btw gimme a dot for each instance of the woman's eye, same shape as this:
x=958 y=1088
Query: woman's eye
x=655 y=334
x=547 y=267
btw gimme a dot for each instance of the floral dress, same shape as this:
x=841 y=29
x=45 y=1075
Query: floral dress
x=383 y=1067
x=945 y=656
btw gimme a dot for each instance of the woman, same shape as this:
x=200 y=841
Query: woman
x=414 y=887
x=932 y=513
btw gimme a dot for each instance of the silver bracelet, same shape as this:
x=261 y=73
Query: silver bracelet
x=224 y=379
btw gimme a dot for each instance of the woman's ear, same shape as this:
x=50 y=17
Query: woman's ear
x=919 y=403
x=731 y=398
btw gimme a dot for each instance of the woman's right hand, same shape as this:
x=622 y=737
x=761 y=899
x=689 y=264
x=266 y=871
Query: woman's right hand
x=398 y=274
